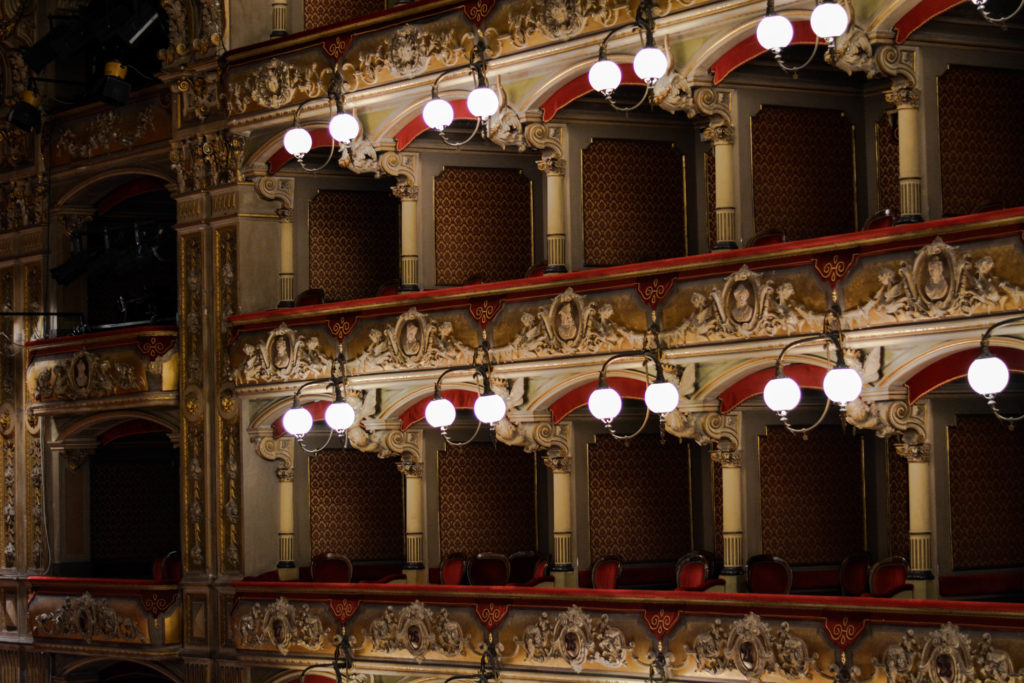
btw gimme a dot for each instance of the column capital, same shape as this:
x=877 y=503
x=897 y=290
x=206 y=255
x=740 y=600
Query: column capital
x=886 y=417
x=551 y=165
x=904 y=96
x=726 y=457
x=273 y=188
x=558 y=461
x=271 y=449
x=914 y=452
x=409 y=466
x=719 y=134
x=406 y=191
x=285 y=474
x=704 y=426
x=549 y=138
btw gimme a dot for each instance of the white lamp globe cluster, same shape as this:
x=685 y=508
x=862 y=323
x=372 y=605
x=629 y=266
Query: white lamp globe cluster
x=489 y=408
x=841 y=385
x=828 y=21
x=339 y=416
x=343 y=127
x=649 y=64
x=605 y=404
x=988 y=374
x=483 y=102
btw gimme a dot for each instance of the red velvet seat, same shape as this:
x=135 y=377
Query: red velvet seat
x=167 y=569
x=605 y=572
x=853 y=573
x=453 y=569
x=693 y=572
x=331 y=568
x=769 y=574
x=528 y=568
x=888 y=577
x=879 y=219
x=488 y=569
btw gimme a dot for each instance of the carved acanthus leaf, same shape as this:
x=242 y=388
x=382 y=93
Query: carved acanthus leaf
x=105 y=133
x=886 y=418
x=413 y=341
x=282 y=625
x=200 y=95
x=207 y=160
x=406 y=52
x=86 y=617
x=419 y=630
x=360 y=157
x=276 y=84
x=505 y=129
x=576 y=638
x=557 y=19
x=751 y=648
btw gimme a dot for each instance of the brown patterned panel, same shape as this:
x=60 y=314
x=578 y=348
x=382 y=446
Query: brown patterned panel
x=888 y=158
x=634 y=205
x=317 y=13
x=483 y=224
x=986 y=474
x=353 y=243
x=709 y=180
x=898 y=503
x=488 y=496
x=812 y=495
x=355 y=505
x=803 y=173
x=133 y=501
x=639 y=499
x=719 y=501
x=979 y=154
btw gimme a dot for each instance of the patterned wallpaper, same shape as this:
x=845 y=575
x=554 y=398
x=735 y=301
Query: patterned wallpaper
x=488 y=499
x=986 y=474
x=711 y=196
x=979 y=154
x=634 y=202
x=898 y=502
x=887 y=154
x=353 y=243
x=317 y=13
x=718 y=500
x=640 y=499
x=812 y=494
x=483 y=224
x=802 y=163
x=133 y=501
x=356 y=505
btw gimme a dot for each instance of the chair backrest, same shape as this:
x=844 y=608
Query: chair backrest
x=605 y=572
x=853 y=573
x=331 y=568
x=880 y=219
x=522 y=565
x=489 y=569
x=167 y=569
x=453 y=569
x=692 y=570
x=769 y=574
x=888 y=576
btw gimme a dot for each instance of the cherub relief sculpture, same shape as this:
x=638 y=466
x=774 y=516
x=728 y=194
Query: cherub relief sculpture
x=284 y=355
x=413 y=340
x=86 y=375
x=365 y=405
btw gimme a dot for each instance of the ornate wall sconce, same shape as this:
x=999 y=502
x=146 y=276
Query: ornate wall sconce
x=988 y=374
x=339 y=415
x=829 y=20
x=342 y=127
x=660 y=397
x=490 y=666
x=488 y=408
x=649 y=63
x=483 y=101
x=842 y=384
x=983 y=7
x=341 y=661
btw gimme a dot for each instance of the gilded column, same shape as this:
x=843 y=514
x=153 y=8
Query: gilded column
x=410 y=258
x=560 y=465
x=286 y=277
x=722 y=137
x=919 y=492
x=551 y=140
x=412 y=469
x=733 y=560
x=282 y=451
x=32 y=280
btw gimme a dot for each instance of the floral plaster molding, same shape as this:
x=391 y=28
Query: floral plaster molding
x=557 y=19
x=282 y=625
x=576 y=638
x=946 y=655
x=418 y=630
x=753 y=649
x=86 y=617
x=283 y=356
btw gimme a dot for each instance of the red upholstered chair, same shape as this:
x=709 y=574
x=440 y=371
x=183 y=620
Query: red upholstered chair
x=853 y=573
x=528 y=568
x=331 y=568
x=769 y=574
x=167 y=569
x=453 y=569
x=888 y=578
x=879 y=219
x=693 y=572
x=488 y=569
x=769 y=237
x=605 y=572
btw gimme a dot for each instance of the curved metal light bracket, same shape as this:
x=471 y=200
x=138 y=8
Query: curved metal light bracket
x=490 y=666
x=341 y=661
x=478 y=66
x=981 y=6
x=335 y=96
x=482 y=367
x=644 y=21
x=650 y=356
x=337 y=382
x=990 y=399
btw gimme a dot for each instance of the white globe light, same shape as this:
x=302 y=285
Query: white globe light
x=661 y=397
x=650 y=64
x=482 y=102
x=339 y=416
x=298 y=141
x=604 y=404
x=297 y=421
x=988 y=375
x=438 y=114
x=440 y=413
x=842 y=385
x=343 y=127
x=829 y=20
x=604 y=76
x=489 y=408
x=774 y=32
x=781 y=394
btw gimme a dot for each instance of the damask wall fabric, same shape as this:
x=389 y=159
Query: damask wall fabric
x=711 y=197
x=979 y=154
x=718 y=500
x=483 y=225
x=634 y=202
x=133 y=502
x=640 y=499
x=812 y=495
x=317 y=13
x=803 y=169
x=353 y=243
x=898 y=492
x=488 y=499
x=888 y=158
x=356 y=505
x=986 y=475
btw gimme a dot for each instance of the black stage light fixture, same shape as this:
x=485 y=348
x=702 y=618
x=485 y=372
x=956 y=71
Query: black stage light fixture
x=114 y=86
x=25 y=113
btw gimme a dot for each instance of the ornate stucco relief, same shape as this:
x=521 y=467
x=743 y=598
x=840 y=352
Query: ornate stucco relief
x=414 y=340
x=576 y=638
x=87 y=375
x=556 y=19
x=283 y=356
x=946 y=655
x=276 y=84
x=751 y=648
x=418 y=630
x=106 y=132
x=405 y=52
x=282 y=625
x=207 y=161
x=26 y=203
x=87 y=618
